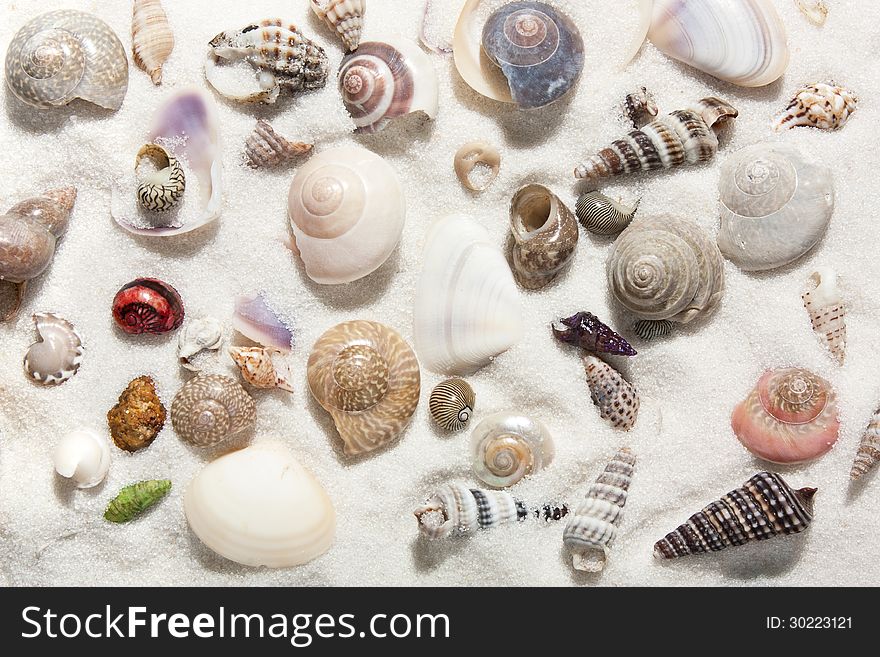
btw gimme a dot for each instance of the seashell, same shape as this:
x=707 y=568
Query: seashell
x=147 y=305
x=477 y=154
x=136 y=498
x=618 y=400
x=260 y=507
x=451 y=404
x=347 y=210
x=427 y=35
x=827 y=311
x=775 y=206
x=344 y=16
x=385 y=80
x=160 y=190
x=682 y=137
x=763 y=507
x=531 y=53
x=151 y=37
x=262 y=368
x=505 y=447
x=740 y=42
x=816 y=11
x=211 y=409
x=29 y=232
x=603 y=216
x=638 y=105
x=545 y=234
x=63 y=55
x=266 y=148
x=588 y=332
x=790 y=416
x=592 y=529
x=205 y=333
x=467 y=307
x=649 y=329
x=83 y=456
x=666 y=268
x=255 y=320
x=824 y=105
x=869 y=449
x=138 y=417
x=56 y=356
x=367 y=377
x=278 y=56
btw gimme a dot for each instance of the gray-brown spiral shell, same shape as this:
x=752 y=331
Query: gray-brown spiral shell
x=210 y=409
x=266 y=148
x=451 y=404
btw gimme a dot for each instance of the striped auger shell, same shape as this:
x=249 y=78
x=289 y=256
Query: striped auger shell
x=763 y=507
x=602 y=215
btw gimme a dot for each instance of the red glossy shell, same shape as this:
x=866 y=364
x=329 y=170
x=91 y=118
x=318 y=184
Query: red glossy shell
x=147 y=305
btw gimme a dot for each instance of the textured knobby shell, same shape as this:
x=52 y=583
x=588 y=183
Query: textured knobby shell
x=262 y=368
x=740 y=41
x=148 y=305
x=451 y=404
x=868 y=453
x=588 y=332
x=592 y=529
x=763 y=507
x=203 y=334
x=505 y=447
x=211 y=409
x=775 y=206
x=666 y=268
x=260 y=507
x=367 y=377
x=160 y=190
x=827 y=311
x=602 y=215
x=826 y=106
x=266 y=148
x=56 y=356
x=255 y=319
x=138 y=416
x=545 y=235
x=83 y=456
x=384 y=80
x=134 y=499
x=477 y=154
x=789 y=416
x=346 y=17
x=617 y=399
x=467 y=307
x=639 y=105
x=347 y=210
x=67 y=54
x=151 y=37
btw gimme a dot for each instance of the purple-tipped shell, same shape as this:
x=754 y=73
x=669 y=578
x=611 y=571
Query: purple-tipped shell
x=255 y=320
x=588 y=332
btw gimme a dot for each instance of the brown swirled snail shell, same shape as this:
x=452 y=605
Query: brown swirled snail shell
x=211 y=409
x=451 y=404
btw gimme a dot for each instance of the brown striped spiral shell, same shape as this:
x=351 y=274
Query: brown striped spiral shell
x=451 y=404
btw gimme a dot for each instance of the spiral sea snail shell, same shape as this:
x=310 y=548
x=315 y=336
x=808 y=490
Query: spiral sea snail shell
x=160 y=190
x=148 y=305
x=211 y=409
x=151 y=37
x=57 y=355
x=505 y=447
x=63 y=55
x=451 y=404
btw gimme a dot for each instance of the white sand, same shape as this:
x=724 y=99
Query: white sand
x=50 y=534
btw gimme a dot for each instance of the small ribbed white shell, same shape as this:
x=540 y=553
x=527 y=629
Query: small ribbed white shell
x=505 y=447
x=455 y=508
x=869 y=449
x=827 y=311
x=83 y=456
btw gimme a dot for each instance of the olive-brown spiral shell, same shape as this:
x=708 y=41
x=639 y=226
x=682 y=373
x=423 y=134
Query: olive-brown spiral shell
x=211 y=409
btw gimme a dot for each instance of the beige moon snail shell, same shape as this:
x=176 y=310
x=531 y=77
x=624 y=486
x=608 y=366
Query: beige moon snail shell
x=211 y=409
x=505 y=447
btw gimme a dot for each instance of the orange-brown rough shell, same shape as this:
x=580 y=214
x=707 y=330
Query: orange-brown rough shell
x=138 y=417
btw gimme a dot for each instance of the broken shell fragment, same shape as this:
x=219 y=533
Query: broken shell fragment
x=138 y=416
x=479 y=155
x=255 y=319
x=58 y=353
x=202 y=334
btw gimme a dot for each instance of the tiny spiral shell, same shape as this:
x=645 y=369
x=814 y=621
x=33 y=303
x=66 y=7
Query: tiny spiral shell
x=266 y=148
x=211 y=409
x=151 y=37
x=161 y=190
x=505 y=447
x=602 y=215
x=869 y=449
x=827 y=311
x=451 y=404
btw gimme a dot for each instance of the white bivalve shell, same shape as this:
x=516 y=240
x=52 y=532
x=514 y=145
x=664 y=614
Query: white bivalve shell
x=260 y=507
x=83 y=456
x=775 y=206
x=505 y=447
x=347 y=210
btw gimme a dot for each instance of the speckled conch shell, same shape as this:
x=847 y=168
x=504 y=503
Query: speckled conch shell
x=545 y=234
x=827 y=311
x=211 y=409
x=346 y=17
x=775 y=206
x=387 y=79
x=151 y=37
x=161 y=189
x=347 y=209
x=266 y=148
x=467 y=307
x=868 y=453
x=451 y=404
x=527 y=53
x=67 y=54
x=740 y=41
x=58 y=353
x=602 y=215
x=474 y=154
x=262 y=368
x=202 y=334
x=260 y=507
x=367 y=377
x=255 y=319
x=763 y=507
x=616 y=398
x=824 y=105
x=29 y=232
x=505 y=447
x=83 y=456
x=666 y=268
x=790 y=416
x=816 y=11
x=277 y=55
x=684 y=137
x=592 y=529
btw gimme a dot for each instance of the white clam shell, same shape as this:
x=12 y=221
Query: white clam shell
x=83 y=456
x=740 y=41
x=775 y=206
x=260 y=507
x=467 y=307
x=347 y=210
x=505 y=447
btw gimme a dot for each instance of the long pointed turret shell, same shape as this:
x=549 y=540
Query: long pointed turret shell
x=617 y=399
x=827 y=311
x=346 y=17
x=57 y=355
x=826 y=106
x=83 y=456
x=592 y=529
x=869 y=449
x=151 y=37
x=505 y=447
x=763 y=507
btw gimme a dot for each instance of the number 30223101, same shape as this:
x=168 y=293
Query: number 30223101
x=809 y=623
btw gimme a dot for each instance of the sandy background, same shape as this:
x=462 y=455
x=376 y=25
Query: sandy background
x=50 y=534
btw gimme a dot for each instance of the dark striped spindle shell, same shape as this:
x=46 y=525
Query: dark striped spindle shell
x=763 y=507
x=603 y=216
x=148 y=305
x=451 y=404
x=651 y=329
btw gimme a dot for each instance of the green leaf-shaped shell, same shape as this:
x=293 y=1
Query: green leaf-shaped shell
x=133 y=500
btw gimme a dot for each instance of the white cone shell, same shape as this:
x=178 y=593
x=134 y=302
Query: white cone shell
x=83 y=456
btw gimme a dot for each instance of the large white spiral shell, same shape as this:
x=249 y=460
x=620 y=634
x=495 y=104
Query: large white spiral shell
x=505 y=447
